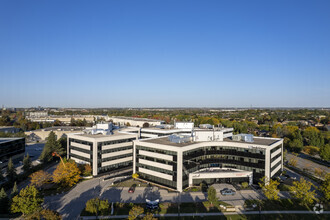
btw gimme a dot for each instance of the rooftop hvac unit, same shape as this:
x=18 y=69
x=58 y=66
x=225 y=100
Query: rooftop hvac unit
x=179 y=138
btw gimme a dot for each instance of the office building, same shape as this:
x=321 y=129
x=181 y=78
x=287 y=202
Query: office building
x=207 y=155
x=11 y=148
x=103 y=147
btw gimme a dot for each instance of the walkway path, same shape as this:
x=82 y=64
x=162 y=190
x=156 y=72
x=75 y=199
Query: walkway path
x=215 y=214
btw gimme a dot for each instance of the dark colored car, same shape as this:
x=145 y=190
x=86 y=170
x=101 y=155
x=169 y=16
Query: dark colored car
x=132 y=188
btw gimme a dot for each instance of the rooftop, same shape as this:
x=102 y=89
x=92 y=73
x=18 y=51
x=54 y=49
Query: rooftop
x=96 y=136
x=2 y=140
x=165 y=141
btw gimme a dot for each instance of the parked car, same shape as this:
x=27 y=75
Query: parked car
x=132 y=188
x=226 y=192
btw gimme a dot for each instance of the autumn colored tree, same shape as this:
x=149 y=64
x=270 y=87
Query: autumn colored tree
x=269 y=188
x=135 y=175
x=66 y=174
x=27 y=201
x=149 y=216
x=326 y=187
x=301 y=190
x=135 y=212
x=39 y=178
x=44 y=214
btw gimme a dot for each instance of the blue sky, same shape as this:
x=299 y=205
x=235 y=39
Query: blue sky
x=165 y=53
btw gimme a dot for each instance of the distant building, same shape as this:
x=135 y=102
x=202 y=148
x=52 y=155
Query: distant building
x=39 y=114
x=9 y=129
x=136 y=122
x=42 y=134
x=11 y=148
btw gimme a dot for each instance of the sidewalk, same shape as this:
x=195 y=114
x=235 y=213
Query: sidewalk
x=212 y=214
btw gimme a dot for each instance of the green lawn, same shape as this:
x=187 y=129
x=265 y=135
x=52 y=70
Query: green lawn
x=283 y=204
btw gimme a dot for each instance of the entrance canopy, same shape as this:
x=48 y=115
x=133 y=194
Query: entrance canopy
x=217 y=173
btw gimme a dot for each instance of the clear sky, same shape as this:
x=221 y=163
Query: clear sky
x=165 y=53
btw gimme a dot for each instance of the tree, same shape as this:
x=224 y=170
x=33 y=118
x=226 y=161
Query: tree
x=325 y=152
x=293 y=161
x=27 y=201
x=296 y=145
x=311 y=150
x=40 y=178
x=135 y=212
x=52 y=145
x=66 y=174
x=97 y=205
x=135 y=175
x=27 y=163
x=4 y=202
x=11 y=170
x=14 y=191
x=44 y=214
x=149 y=216
x=146 y=125
x=245 y=185
x=313 y=137
x=212 y=195
x=326 y=187
x=301 y=190
x=269 y=188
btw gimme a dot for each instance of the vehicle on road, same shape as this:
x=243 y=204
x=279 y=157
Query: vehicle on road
x=227 y=192
x=132 y=188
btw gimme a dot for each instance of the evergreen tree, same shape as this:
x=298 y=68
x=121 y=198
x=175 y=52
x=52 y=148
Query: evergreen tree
x=27 y=163
x=11 y=170
x=4 y=202
x=52 y=145
x=14 y=191
x=325 y=152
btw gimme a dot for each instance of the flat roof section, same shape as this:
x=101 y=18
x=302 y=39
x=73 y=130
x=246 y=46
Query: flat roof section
x=166 y=141
x=2 y=140
x=256 y=140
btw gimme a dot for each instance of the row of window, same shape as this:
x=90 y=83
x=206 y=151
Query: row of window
x=81 y=150
x=80 y=157
x=100 y=144
x=154 y=179
x=275 y=149
x=157 y=169
x=155 y=160
x=167 y=152
x=115 y=167
x=115 y=157
x=81 y=142
x=116 y=149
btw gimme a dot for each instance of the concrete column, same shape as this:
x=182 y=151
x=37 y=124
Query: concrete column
x=251 y=179
x=267 y=163
x=179 y=171
x=134 y=158
x=95 y=158
x=67 y=148
x=282 y=157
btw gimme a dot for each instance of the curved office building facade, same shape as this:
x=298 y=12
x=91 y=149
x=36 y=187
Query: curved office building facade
x=178 y=165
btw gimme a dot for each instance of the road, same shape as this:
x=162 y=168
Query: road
x=307 y=164
x=70 y=204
